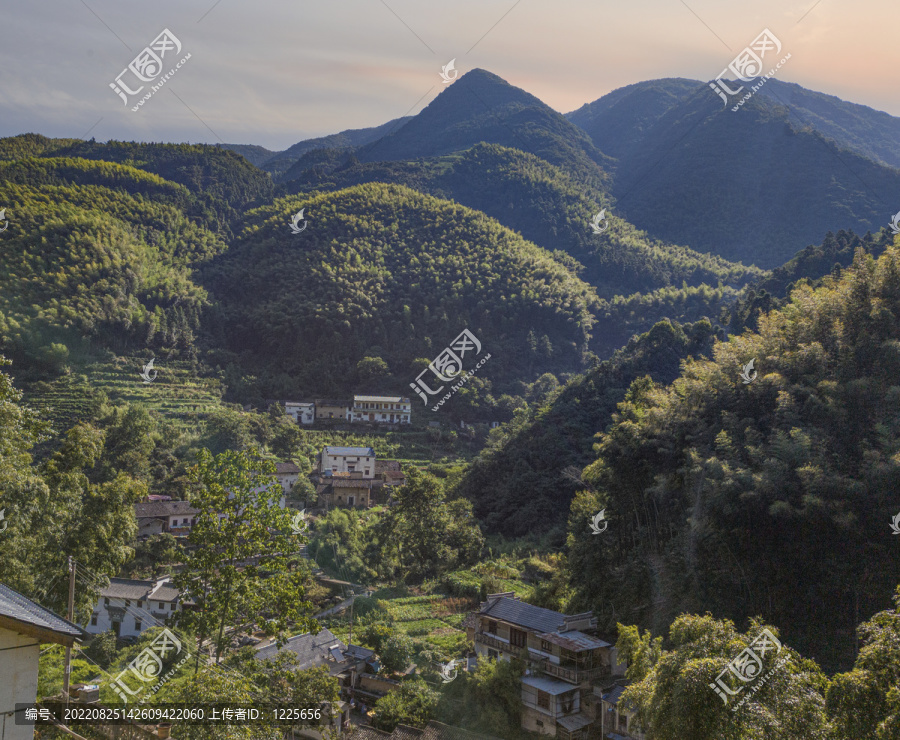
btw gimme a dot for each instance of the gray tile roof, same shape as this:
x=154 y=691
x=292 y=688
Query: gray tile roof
x=311 y=650
x=286 y=467
x=165 y=593
x=124 y=588
x=573 y=722
x=164 y=508
x=612 y=696
x=574 y=640
x=353 y=451
x=22 y=609
x=526 y=615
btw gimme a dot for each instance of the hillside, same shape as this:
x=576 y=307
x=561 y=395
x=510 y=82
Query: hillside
x=384 y=271
x=773 y=184
x=544 y=204
x=543 y=452
x=771 y=498
x=481 y=107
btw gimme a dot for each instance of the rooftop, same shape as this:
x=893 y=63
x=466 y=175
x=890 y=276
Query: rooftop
x=286 y=467
x=573 y=640
x=125 y=588
x=550 y=685
x=351 y=451
x=20 y=613
x=331 y=402
x=510 y=609
x=164 y=508
x=380 y=399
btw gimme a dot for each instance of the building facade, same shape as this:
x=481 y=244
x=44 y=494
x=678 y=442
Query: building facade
x=302 y=412
x=563 y=662
x=348 y=460
x=154 y=517
x=128 y=607
x=382 y=409
x=287 y=474
x=330 y=409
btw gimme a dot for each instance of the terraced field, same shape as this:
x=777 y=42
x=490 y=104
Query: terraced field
x=177 y=392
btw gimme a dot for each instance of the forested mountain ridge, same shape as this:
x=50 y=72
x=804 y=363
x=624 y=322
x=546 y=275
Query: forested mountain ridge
x=382 y=271
x=548 y=207
x=686 y=168
x=768 y=498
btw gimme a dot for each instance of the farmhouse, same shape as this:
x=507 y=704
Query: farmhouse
x=302 y=412
x=128 y=607
x=330 y=409
x=175 y=517
x=381 y=409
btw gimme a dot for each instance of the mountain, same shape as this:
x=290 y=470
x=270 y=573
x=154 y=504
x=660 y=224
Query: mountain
x=542 y=452
x=382 y=271
x=754 y=185
x=481 y=107
x=277 y=163
x=771 y=497
x=543 y=203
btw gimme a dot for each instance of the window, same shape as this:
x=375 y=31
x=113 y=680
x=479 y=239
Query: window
x=367 y=471
x=161 y=605
x=623 y=722
x=518 y=638
x=137 y=625
x=493 y=654
x=106 y=602
x=492 y=627
x=127 y=602
x=543 y=699
x=93 y=620
x=172 y=606
x=567 y=704
x=546 y=646
x=140 y=604
x=539 y=723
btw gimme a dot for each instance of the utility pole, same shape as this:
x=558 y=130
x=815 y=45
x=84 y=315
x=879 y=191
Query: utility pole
x=70 y=615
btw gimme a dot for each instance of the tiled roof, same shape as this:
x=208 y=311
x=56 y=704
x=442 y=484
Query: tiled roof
x=404 y=732
x=439 y=731
x=352 y=483
x=331 y=402
x=22 y=609
x=387 y=465
x=286 y=467
x=573 y=722
x=164 y=508
x=612 y=696
x=124 y=588
x=298 y=403
x=311 y=650
x=526 y=615
x=367 y=732
x=165 y=593
x=351 y=451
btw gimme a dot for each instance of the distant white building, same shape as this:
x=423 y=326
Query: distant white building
x=129 y=607
x=24 y=626
x=348 y=460
x=381 y=409
x=287 y=474
x=300 y=412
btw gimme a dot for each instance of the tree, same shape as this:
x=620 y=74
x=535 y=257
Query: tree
x=371 y=368
x=238 y=568
x=412 y=704
x=396 y=652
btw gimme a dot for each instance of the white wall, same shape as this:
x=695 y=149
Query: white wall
x=133 y=614
x=18 y=681
x=343 y=463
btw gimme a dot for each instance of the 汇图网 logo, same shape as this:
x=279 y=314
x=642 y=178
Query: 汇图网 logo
x=448 y=366
x=595 y=522
x=595 y=224
x=748 y=66
x=147 y=67
x=746 y=667
x=145 y=372
x=297 y=218
x=746 y=371
x=447 y=69
x=5 y=223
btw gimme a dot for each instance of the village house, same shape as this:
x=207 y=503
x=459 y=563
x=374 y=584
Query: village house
x=563 y=660
x=381 y=409
x=302 y=412
x=174 y=517
x=128 y=607
x=617 y=718
x=330 y=409
x=287 y=474
x=390 y=473
x=348 y=460
x=24 y=626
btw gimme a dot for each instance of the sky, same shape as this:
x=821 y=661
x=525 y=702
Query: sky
x=275 y=72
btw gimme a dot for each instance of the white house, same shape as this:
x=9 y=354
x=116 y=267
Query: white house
x=24 y=625
x=287 y=474
x=129 y=607
x=348 y=460
x=301 y=412
x=381 y=409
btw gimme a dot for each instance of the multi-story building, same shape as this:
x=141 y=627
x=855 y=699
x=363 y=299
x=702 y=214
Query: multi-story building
x=348 y=460
x=617 y=717
x=303 y=412
x=128 y=607
x=562 y=662
x=287 y=474
x=381 y=409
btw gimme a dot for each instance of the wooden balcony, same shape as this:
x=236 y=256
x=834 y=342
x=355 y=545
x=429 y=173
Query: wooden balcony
x=492 y=642
x=573 y=675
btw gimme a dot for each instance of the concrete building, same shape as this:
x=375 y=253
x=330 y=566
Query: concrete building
x=348 y=460
x=381 y=409
x=128 y=607
x=563 y=662
x=302 y=412
x=24 y=626
x=287 y=474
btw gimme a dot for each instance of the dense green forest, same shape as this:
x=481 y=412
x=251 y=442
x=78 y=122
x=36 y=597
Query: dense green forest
x=770 y=498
